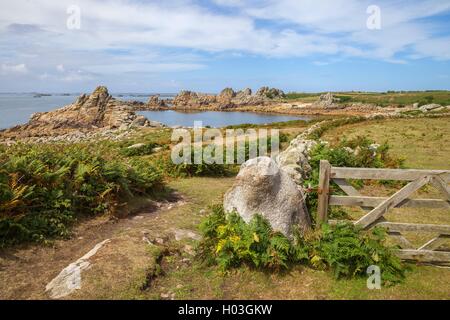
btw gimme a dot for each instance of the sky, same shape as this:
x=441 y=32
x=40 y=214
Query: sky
x=171 y=45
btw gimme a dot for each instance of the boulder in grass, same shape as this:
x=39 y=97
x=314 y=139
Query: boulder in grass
x=262 y=187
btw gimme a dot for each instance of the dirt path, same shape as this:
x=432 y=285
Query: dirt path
x=122 y=263
x=25 y=271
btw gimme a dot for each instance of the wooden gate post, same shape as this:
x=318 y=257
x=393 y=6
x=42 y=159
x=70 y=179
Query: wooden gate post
x=324 y=192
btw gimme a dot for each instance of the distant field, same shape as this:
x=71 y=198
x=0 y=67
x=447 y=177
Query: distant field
x=401 y=98
x=423 y=143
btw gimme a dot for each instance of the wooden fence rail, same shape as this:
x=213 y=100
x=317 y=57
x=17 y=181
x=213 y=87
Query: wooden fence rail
x=376 y=207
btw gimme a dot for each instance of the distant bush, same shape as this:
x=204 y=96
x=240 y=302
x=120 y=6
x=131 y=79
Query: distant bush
x=43 y=189
x=193 y=169
x=229 y=242
x=165 y=163
x=299 y=95
x=344 y=99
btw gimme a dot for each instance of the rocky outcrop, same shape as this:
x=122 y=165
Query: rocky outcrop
x=227 y=99
x=431 y=107
x=189 y=99
x=328 y=101
x=262 y=187
x=154 y=102
x=97 y=111
x=270 y=93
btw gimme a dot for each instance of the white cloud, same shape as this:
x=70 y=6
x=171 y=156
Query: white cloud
x=172 y=36
x=60 y=68
x=438 y=47
x=76 y=76
x=14 y=68
x=144 y=68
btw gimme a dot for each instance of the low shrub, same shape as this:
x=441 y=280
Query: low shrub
x=204 y=168
x=229 y=242
x=349 y=251
x=44 y=188
x=344 y=99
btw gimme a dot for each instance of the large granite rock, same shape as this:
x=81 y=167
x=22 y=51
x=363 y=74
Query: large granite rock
x=186 y=99
x=154 y=102
x=430 y=107
x=261 y=187
x=270 y=93
x=225 y=98
x=327 y=101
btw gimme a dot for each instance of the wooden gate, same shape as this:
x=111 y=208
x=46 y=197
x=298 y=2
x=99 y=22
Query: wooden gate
x=376 y=207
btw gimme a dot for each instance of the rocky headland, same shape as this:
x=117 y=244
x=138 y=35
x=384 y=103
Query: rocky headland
x=97 y=114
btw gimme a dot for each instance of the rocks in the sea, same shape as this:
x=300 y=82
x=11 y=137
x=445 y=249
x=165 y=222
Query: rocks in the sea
x=262 y=187
x=94 y=113
x=155 y=102
x=40 y=95
x=188 y=99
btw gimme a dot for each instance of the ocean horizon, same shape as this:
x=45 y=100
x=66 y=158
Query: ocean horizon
x=17 y=108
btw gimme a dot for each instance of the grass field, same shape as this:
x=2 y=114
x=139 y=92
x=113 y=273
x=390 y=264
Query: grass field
x=423 y=143
x=382 y=99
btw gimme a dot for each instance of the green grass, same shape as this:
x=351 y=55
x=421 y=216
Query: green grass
x=383 y=99
x=424 y=143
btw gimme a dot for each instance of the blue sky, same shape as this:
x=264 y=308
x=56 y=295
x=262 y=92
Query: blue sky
x=166 y=46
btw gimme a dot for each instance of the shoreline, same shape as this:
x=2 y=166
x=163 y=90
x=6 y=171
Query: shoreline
x=99 y=114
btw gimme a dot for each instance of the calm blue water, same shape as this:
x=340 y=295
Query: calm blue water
x=215 y=118
x=17 y=108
